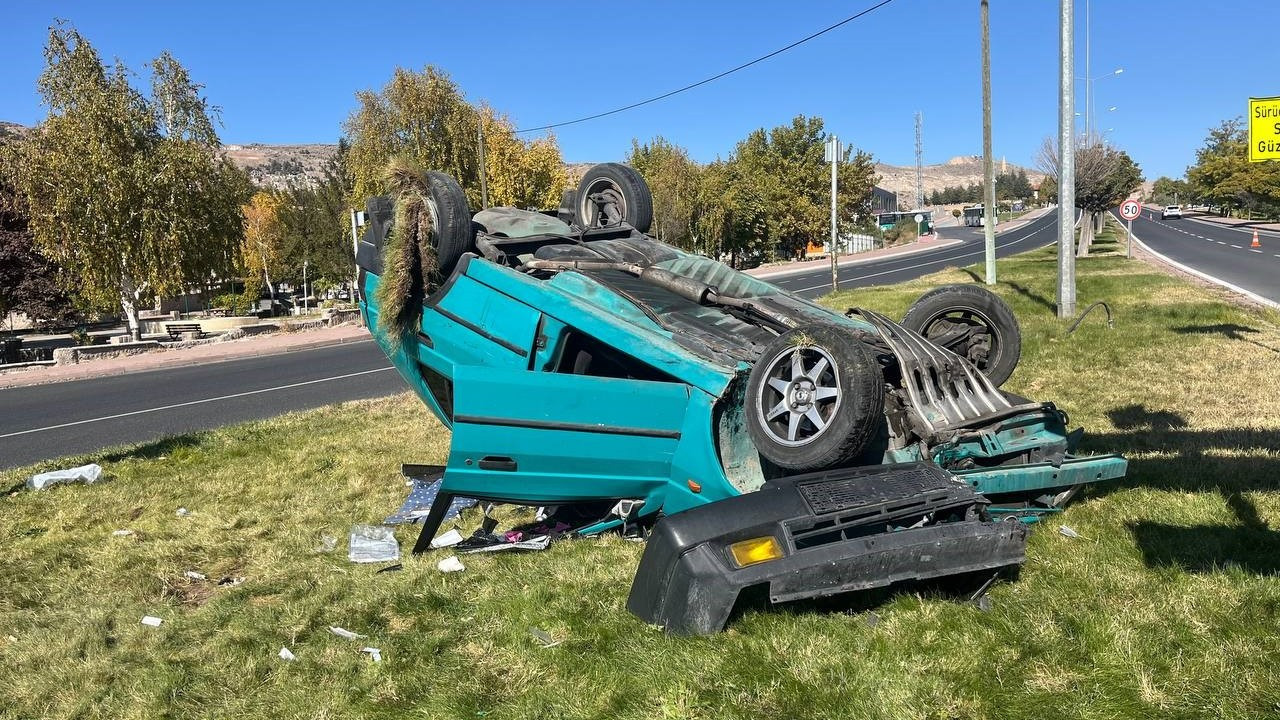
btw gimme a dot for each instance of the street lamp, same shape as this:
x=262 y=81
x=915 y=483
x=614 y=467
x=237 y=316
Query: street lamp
x=1088 y=96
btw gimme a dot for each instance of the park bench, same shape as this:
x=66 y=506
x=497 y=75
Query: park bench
x=176 y=330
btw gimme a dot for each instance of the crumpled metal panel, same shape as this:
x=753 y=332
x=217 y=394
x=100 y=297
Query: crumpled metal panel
x=946 y=391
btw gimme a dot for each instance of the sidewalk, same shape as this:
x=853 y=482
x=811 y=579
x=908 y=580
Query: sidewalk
x=1236 y=223
x=252 y=346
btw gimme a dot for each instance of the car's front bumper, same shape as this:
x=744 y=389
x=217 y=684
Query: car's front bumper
x=840 y=531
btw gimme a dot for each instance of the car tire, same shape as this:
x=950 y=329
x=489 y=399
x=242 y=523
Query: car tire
x=612 y=193
x=822 y=417
x=451 y=230
x=972 y=322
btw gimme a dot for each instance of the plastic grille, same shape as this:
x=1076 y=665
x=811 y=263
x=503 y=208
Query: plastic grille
x=836 y=495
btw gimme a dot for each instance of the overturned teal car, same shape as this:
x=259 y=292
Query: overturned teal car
x=760 y=441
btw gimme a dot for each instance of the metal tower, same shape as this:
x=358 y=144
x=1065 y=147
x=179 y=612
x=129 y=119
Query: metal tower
x=919 y=159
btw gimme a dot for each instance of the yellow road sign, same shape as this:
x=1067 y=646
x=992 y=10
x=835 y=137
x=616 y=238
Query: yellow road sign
x=1264 y=129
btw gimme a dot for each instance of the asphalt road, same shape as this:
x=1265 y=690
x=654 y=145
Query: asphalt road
x=815 y=283
x=81 y=416
x=1217 y=250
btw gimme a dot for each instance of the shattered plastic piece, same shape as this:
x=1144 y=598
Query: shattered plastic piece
x=451 y=564
x=230 y=581
x=89 y=474
x=121 y=533
x=193 y=575
x=449 y=539
x=872 y=620
x=327 y=543
x=151 y=620
x=1068 y=532
x=374 y=653
x=182 y=512
x=344 y=633
x=541 y=542
x=513 y=536
x=420 y=500
x=286 y=655
x=373 y=544
x=984 y=603
x=391 y=568
x=543 y=637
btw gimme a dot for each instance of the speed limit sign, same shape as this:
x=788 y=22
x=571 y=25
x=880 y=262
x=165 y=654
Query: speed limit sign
x=1130 y=209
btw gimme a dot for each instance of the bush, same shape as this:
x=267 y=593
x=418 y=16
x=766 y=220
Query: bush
x=237 y=304
x=903 y=232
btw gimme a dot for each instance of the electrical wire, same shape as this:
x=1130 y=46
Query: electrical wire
x=713 y=78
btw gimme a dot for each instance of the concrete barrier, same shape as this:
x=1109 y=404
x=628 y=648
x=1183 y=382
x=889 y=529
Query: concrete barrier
x=73 y=355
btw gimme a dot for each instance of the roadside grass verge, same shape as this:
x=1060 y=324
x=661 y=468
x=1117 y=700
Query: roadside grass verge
x=1167 y=606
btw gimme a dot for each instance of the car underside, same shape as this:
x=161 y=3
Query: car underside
x=761 y=439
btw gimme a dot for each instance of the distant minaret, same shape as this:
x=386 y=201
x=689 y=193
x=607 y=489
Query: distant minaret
x=919 y=159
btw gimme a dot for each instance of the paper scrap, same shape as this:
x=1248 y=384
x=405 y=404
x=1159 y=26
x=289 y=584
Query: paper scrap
x=451 y=564
x=286 y=655
x=193 y=575
x=449 y=539
x=374 y=653
x=344 y=633
x=151 y=620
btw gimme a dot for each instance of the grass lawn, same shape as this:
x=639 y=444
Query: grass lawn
x=1168 y=605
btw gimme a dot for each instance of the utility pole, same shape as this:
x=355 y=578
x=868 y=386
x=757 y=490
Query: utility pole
x=1066 y=163
x=988 y=167
x=919 y=160
x=833 y=157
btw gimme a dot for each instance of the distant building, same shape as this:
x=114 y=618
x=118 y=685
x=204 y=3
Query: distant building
x=883 y=201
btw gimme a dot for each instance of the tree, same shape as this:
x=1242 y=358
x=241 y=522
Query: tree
x=1224 y=176
x=263 y=238
x=131 y=194
x=1168 y=191
x=673 y=180
x=422 y=118
x=1104 y=176
x=29 y=282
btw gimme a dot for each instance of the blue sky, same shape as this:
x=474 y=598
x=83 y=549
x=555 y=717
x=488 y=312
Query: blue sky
x=286 y=72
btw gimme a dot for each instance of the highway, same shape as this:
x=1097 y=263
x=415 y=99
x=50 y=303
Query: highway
x=815 y=283
x=82 y=416
x=1219 y=251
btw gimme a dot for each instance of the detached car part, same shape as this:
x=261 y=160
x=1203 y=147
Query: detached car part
x=768 y=441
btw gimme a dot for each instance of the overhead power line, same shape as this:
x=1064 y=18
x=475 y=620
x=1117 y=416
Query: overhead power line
x=713 y=78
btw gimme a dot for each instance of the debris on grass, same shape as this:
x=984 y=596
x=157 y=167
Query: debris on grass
x=183 y=512
x=230 y=581
x=345 y=633
x=121 y=533
x=1068 y=532
x=374 y=653
x=286 y=655
x=327 y=544
x=450 y=564
x=373 y=544
x=193 y=575
x=543 y=637
x=449 y=539
x=391 y=568
x=151 y=620
x=87 y=474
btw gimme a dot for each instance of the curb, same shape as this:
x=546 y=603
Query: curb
x=857 y=261
x=1205 y=276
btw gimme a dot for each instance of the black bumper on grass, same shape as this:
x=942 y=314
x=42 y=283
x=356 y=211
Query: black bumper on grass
x=836 y=531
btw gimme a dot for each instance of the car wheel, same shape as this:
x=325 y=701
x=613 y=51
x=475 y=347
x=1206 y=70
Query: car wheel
x=972 y=322
x=815 y=399
x=610 y=194
x=451 y=232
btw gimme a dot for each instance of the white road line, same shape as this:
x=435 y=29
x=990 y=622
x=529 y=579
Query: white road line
x=1257 y=251
x=1237 y=247
x=193 y=402
x=1219 y=242
x=1206 y=276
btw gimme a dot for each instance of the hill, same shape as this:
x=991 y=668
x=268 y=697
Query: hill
x=962 y=170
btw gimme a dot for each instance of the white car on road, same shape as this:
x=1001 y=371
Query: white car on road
x=1171 y=211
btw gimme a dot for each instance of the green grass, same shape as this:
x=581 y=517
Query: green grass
x=1169 y=606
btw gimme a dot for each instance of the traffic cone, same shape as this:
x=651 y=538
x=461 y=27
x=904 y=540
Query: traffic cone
x=1255 y=243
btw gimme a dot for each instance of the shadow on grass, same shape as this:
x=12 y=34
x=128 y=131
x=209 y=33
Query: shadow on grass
x=155 y=449
x=1231 y=331
x=1197 y=461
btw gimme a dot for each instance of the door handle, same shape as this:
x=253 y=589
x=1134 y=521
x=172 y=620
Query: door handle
x=494 y=462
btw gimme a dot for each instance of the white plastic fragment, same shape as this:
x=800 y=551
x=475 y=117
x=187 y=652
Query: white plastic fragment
x=88 y=474
x=449 y=539
x=327 y=544
x=373 y=544
x=230 y=581
x=450 y=564
x=151 y=620
x=182 y=512
x=193 y=575
x=374 y=653
x=1068 y=532
x=543 y=637
x=121 y=533
x=286 y=655
x=344 y=633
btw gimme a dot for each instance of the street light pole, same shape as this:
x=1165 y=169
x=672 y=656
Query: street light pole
x=988 y=163
x=1066 y=163
x=833 y=156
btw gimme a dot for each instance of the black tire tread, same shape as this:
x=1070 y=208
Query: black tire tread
x=635 y=191
x=456 y=236
x=978 y=298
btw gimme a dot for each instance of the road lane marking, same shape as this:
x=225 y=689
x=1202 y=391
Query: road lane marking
x=1219 y=242
x=1206 y=276
x=193 y=402
x=1236 y=247
x=1257 y=251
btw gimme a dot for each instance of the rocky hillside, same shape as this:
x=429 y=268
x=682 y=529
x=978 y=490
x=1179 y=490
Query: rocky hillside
x=281 y=166
x=961 y=170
